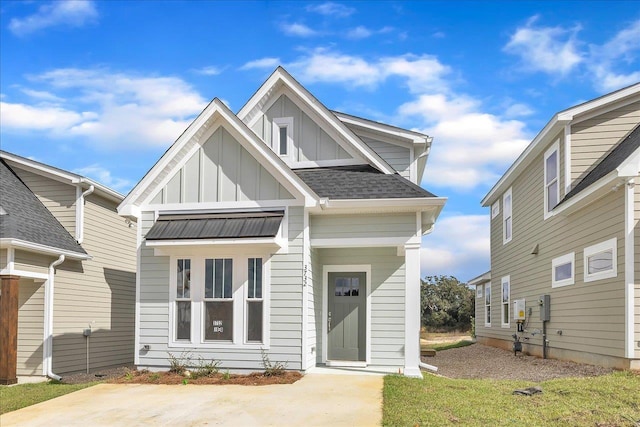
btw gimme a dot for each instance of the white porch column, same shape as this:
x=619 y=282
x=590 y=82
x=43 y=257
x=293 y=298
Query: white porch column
x=412 y=311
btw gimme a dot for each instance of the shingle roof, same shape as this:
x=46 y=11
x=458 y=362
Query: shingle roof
x=27 y=218
x=615 y=158
x=359 y=182
x=216 y=226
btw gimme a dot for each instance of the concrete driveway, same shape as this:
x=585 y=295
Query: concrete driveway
x=315 y=400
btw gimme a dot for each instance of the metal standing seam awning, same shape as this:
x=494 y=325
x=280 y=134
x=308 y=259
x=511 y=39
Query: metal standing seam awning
x=215 y=226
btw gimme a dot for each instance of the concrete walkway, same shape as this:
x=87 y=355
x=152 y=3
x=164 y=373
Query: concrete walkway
x=315 y=400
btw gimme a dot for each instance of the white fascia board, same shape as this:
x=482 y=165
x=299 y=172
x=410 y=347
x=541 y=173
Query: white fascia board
x=281 y=75
x=573 y=112
x=42 y=249
x=271 y=241
x=588 y=195
x=480 y=280
x=417 y=202
x=631 y=166
x=405 y=134
x=533 y=149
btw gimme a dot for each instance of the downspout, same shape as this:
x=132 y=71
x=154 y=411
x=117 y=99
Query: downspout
x=47 y=354
x=80 y=212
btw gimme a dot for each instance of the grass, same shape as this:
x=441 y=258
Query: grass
x=447 y=345
x=20 y=396
x=609 y=400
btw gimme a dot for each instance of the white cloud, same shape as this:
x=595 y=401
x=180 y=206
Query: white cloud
x=69 y=13
x=103 y=176
x=331 y=9
x=551 y=50
x=41 y=95
x=112 y=109
x=210 y=70
x=458 y=246
x=261 y=63
x=298 y=30
x=359 y=32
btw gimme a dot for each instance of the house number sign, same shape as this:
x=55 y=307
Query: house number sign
x=218 y=326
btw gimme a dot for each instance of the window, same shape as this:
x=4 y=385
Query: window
x=495 y=209
x=254 y=300
x=507 y=218
x=479 y=291
x=562 y=270
x=218 y=299
x=600 y=261
x=551 y=180
x=487 y=305
x=219 y=302
x=282 y=135
x=506 y=301
x=183 y=300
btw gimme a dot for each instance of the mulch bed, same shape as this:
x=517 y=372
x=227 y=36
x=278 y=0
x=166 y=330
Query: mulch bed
x=171 y=378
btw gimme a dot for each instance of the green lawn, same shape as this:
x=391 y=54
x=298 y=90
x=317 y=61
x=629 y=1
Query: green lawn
x=447 y=345
x=19 y=396
x=610 y=400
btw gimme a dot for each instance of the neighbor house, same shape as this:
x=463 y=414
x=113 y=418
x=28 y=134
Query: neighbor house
x=565 y=239
x=286 y=229
x=60 y=228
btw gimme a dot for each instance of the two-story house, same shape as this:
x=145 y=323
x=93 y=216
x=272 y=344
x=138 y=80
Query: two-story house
x=565 y=239
x=287 y=229
x=67 y=271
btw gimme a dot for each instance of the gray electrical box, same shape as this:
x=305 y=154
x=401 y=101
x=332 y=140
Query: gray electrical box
x=545 y=307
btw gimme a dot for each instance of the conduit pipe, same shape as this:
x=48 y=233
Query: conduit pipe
x=47 y=359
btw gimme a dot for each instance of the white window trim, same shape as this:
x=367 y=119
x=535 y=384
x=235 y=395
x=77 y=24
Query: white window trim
x=246 y=300
x=506 y=279
x=479 y=291
x=554 y=148
x=495 y=209
x=507 y=213
x=561 y=260
x=611 y=244
x=487 y=286
x=278 y=123
x=239 y=292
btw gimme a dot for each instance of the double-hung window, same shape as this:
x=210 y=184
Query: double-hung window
x=487 y=304
x=281 y=137
x=506 y=301
x=507 y=216
x=551 y=179
x=183 y=301
x=218 y=299
x=600 y=261
x=254 y=300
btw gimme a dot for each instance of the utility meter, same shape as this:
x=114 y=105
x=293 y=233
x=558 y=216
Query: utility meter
x=519 y=309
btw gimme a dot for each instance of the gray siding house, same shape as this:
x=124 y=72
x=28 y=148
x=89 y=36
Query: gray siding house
x=285 y=228
x=67 y=265
x=564 y=223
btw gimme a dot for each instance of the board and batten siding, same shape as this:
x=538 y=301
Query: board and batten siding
x=285 y=300
x=222 y=170
x=310 y=142
x=593 y=139
x=590 y=315
x=401 y=225
x=397 y=157
x=30 y=327
x=97 y=293
x=3 y=259
x=387 y=299
x=636 y=252
x=58 y=197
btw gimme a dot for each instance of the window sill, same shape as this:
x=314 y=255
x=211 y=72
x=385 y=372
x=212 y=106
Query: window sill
x=224 y=346
x=562 y=284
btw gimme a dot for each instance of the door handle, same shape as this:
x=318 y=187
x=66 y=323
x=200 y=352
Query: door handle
x=329 y=322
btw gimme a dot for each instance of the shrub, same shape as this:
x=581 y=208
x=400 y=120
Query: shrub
x=179 y=364
x=272 y=369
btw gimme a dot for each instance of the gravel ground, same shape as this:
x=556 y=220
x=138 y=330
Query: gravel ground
x=480 y=361
x=100 y=375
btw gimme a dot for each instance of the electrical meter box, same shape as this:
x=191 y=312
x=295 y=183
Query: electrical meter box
x=519 y=309
x=545 y=307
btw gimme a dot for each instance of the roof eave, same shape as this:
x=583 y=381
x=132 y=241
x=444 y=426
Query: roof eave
x=7 y=242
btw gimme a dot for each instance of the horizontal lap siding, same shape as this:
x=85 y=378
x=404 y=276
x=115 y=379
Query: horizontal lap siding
x=396 y=156
x=590 y=315
x=32 y=262
x=3 y=259
x=99 y=292
x=387 y=298
x=30 y=327
x=366 y=226
x=314 y=316
x=593 y=139
x=286 y=307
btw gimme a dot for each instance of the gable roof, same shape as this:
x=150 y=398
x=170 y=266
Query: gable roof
x=281 y=77
x=179 y=152
x=26 y=219
x=615 y=158
x=553 y=127
x=359 y=182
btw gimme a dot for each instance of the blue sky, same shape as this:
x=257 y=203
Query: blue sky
x=103 y=88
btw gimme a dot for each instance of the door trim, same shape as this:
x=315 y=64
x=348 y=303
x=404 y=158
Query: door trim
x=359 y=268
